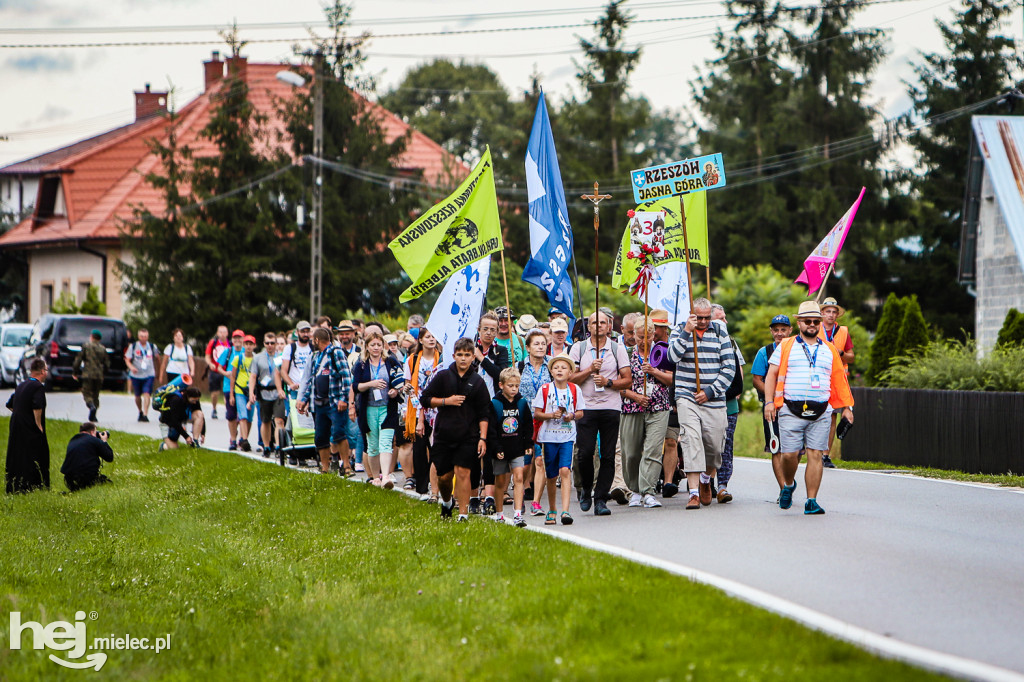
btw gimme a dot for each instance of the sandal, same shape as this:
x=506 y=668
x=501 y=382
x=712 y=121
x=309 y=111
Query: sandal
x=566 y=519
x=432 y=499
x=549 y=519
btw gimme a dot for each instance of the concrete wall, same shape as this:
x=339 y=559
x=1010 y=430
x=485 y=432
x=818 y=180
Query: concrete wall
x=72 y=270
x=1000 y=280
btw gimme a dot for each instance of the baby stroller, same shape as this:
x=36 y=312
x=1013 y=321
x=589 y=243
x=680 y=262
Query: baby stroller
x=298 y=438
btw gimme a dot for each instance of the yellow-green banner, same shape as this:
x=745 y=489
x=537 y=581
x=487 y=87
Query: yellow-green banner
x=626 y=269
x=455 y=232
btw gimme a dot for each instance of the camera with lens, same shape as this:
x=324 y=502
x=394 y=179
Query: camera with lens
x=104 y=434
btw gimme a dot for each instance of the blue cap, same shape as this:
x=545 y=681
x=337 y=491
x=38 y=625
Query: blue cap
x=780 y=319
x=553 y=310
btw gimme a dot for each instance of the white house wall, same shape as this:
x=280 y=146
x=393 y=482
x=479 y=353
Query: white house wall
x=72 y=270
x=1000 y=280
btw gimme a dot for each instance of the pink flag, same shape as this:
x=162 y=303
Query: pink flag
x=825 y=254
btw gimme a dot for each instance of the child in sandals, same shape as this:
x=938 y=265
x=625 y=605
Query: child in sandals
x=558 y=405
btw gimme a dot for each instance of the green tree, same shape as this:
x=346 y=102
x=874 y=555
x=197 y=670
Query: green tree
x=223 y=250
x=980 y=61
x=599 y=135
x=65 y=304
x=1012 y=331
x=362 y=214
x=885 y=344
x=913 y=333
x=92 y=305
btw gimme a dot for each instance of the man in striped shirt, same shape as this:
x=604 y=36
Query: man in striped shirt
x=700 y=397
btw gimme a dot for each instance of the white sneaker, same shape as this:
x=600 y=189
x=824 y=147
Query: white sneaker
x=650 y=501
x=636 y=500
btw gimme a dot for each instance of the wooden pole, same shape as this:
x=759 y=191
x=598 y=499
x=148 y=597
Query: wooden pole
x=707 y=271
x=821 y=289
x=647 y=349
x=596 y=199
x=689 y=285
x=508 y=312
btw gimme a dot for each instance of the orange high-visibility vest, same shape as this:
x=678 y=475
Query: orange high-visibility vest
x=839 y=386
x=839 y=340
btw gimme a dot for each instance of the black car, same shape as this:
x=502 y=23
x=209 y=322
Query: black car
x=58 y=339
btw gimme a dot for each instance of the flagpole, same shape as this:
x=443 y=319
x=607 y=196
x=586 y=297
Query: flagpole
x=689 y=284
x=576 y=281
x=707 y=270
x=647 y=350
x=821 y=289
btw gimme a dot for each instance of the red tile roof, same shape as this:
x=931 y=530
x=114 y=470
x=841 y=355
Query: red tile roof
x=103 y=177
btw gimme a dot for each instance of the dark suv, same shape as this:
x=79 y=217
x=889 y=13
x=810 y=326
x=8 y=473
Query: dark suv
x=58 y=339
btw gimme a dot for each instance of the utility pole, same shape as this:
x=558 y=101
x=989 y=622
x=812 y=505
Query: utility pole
x=316 y=236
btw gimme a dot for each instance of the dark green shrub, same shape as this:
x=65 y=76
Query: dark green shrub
x=883 y=348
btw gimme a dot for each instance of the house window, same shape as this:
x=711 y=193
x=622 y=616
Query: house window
x=83 y=289
x=51 y=200
x=45 y=298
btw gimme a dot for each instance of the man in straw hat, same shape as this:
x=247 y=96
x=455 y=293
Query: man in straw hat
x=840 y=338
x=805 y=377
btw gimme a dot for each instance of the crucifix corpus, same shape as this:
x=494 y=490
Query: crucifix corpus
x=596 y=199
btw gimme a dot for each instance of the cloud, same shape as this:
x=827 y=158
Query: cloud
x=39 y=63
x=51 y=114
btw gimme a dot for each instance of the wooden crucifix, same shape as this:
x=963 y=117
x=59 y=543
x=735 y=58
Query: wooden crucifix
x=596 y=199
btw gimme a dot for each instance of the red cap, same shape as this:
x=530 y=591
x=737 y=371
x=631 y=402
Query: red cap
x=249 y=338
x=237 y=332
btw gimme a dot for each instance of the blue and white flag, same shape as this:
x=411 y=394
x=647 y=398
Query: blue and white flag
x=550 y=233
x=458 y=309
x=670 y=291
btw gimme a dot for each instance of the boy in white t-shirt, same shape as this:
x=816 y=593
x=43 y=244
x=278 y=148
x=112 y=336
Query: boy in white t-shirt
x=558 y=406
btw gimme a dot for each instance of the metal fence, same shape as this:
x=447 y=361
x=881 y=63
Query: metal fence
x=971 y=431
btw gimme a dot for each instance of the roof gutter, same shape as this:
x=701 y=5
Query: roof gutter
x=103 y=257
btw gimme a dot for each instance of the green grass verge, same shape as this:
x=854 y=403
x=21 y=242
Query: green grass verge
x=749 y=442
x=264 y=573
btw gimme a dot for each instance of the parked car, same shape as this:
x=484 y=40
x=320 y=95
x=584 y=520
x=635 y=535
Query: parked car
x=59 y=338
x=13 y=339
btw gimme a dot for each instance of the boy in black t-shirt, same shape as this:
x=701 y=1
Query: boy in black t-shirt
x=511 y=440
x=460 y=429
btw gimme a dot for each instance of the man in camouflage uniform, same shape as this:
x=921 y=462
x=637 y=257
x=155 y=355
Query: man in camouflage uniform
x=89 y=368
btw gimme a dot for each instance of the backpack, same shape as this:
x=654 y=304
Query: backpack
x=613 y=346
x=544 y=392
x=735 y=389
x=161 y=396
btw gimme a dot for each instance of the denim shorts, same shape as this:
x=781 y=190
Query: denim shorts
x=140 y=386
x=230 y=413
x=556 y=456
x=330 y=424
x=242 y=407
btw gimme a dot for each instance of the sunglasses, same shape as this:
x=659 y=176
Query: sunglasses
x=702 y=317
x=811 y=321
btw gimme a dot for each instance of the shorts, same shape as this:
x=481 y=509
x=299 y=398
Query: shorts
x=174 y=434
x=672 y=432
x=330 y=425
x=500 y=467
x=270 y=410
x=230 y=413
x=702 y=435
x=446 y=455
x=400 y=438
x=795 y=433
x=142 y=386
x=216 y=380
x=242 y=407
x=557 y=456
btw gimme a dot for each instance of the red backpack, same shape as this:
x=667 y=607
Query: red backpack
x=544 y=393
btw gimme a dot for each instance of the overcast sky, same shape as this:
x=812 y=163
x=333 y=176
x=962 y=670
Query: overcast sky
x=52 y=96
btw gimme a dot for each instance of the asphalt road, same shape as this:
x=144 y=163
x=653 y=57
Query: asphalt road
x=933 y=563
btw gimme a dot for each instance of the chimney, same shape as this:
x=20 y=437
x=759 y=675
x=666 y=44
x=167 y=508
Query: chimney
x=149 y=103
x=237 y=67
x=213 y=70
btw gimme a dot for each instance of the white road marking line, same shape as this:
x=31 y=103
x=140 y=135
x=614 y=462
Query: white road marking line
x=910 y=476
x=865 y=639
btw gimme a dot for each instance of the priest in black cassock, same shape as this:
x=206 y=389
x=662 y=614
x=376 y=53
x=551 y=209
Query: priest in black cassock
x=28 y=453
